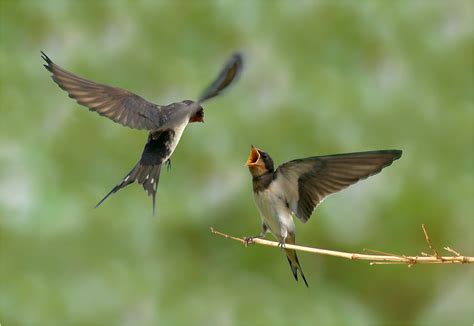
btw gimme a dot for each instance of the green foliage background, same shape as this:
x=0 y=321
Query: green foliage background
x=320 y=77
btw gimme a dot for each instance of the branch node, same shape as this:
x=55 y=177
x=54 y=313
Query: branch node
x=386 y=253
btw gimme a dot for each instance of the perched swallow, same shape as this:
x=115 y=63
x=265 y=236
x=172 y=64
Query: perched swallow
x=165 y=123
x=298 y=186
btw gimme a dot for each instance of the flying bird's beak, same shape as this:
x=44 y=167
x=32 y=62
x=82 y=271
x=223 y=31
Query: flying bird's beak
x=254 y=156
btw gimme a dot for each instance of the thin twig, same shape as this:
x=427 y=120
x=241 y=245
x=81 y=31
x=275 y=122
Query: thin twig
x=385 y=258
x=452 y=251
x=428 y=240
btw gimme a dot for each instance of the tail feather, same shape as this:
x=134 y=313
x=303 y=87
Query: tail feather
x=147 y=171
x=150 y=183
x=129 y=178
x=295 y=265
x=146 y=175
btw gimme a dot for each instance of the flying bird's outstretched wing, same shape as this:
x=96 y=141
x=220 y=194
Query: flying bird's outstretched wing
x=117 y=104
x=228 y=74
x=308 y=181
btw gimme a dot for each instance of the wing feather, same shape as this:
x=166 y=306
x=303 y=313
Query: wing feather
x=227 y=76
x=308 y=181
x=117 y=104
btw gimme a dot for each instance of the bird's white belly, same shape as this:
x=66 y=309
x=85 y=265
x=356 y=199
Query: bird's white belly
x=274 y=212
x=178 y=132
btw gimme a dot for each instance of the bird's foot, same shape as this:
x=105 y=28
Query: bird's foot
x=281 y=244
x=168 y=164
x=248 y=241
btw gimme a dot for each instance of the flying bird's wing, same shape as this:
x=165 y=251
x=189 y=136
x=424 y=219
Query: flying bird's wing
x=228 y=74
x=117 y=104
x=308 y=181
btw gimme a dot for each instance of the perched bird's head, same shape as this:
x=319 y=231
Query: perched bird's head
x=259 y=162
x=198 y=116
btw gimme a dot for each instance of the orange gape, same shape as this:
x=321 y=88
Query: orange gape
x=254 y=163
x=254 y=156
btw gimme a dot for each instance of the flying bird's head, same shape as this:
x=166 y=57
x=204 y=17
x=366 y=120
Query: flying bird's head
x=259 y=162
x=199 y=115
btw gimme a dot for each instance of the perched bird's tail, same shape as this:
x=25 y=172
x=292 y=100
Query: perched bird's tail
x=295 y=265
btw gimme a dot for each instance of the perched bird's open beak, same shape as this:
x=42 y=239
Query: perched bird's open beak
x=253 y=156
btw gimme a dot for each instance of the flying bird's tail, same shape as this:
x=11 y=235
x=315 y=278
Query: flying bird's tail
x=146 y=175
x=147 y=171
x=293 y=261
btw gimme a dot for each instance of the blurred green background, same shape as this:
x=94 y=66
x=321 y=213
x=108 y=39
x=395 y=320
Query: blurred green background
x=320 y=77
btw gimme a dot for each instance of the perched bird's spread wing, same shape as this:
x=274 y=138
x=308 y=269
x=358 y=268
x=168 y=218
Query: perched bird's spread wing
x=117 y=104
x=228 y=74
x=308 y=181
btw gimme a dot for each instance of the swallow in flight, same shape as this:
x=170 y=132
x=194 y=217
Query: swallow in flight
x=298 y=186
x=165 y=123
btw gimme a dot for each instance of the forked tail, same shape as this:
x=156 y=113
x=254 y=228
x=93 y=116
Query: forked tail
x=295 y=265
x=146 y=175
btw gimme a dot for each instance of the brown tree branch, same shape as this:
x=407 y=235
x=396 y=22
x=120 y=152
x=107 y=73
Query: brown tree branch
x=381 y=258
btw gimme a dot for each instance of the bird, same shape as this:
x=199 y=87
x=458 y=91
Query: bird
x=165 y=123
x=297 y=187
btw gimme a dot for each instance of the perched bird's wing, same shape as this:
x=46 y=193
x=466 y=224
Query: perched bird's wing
x=228 y=74
x=117 y=104
x=308 y=181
